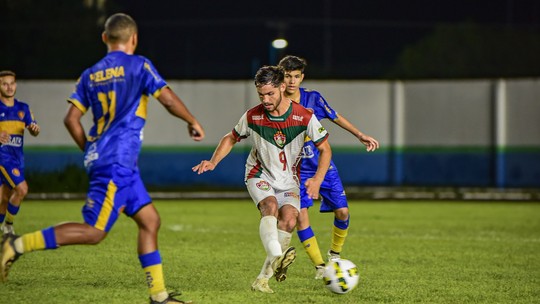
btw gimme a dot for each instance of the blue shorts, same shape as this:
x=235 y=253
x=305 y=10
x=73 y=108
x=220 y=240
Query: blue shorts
x=113 y=190
x=332 y=193
x=11 y=174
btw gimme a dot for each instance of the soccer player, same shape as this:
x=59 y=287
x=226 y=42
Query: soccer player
x=15 y=117
x=116 y=89
x=278 y=127
x=333 y=198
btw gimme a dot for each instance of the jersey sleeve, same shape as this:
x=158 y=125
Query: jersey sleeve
x=324 y=110
x=316 y=131
x=153 y=82
x=77 y=98
x=241 y=130
x=29 y=117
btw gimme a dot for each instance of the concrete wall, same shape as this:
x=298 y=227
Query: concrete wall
x=449 y=133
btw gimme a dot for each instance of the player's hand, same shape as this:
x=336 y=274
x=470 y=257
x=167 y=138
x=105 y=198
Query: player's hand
x=33 y=128
x=312 y=188
x=4 y=137
x=371 y=143
x=204 y=166
x=196 y=131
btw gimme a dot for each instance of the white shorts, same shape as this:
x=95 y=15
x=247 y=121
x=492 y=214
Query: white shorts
x=260 y=189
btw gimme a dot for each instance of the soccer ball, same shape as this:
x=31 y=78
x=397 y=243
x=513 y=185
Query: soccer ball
x=340 y=276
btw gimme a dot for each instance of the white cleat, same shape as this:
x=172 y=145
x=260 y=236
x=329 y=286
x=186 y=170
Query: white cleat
x=332 y=256
x=319 y=272
x=7 y=229
x=261 y=284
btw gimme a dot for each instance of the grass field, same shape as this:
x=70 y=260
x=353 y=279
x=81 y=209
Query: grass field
x=407 y=252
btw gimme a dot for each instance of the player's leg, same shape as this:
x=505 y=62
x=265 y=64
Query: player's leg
x=306 y=234
x=5 y=193
x=335 y=200
x=13 y=178
x=138 y=206
x=340 y=230
x=289 y=205
x=100 y=213
x=14 y=202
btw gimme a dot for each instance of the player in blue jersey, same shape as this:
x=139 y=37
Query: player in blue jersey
x=116 y=90
x=333 y=198
x=15 y=117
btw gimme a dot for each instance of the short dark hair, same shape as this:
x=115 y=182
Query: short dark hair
x=119 y=28
x=7 y=73
x=269 y=74
x=293 y=63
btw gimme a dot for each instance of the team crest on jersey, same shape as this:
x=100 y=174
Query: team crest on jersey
x=263 y=185
x=16 y=172
x=280 y=139
x=20 y=114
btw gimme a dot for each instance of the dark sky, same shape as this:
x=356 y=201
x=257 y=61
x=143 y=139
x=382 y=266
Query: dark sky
x=356 y=38
x=231 y=39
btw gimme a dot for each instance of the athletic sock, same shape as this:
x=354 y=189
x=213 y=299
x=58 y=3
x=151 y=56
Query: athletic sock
x=268 y=233
x=12 y=211
x=153 y=270
x=308 y=239
x=37 y=240
x=339 y=233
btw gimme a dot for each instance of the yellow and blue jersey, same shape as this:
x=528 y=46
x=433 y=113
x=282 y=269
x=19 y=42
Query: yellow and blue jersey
x=116 y=90
x=315 y=102
x=14 y=120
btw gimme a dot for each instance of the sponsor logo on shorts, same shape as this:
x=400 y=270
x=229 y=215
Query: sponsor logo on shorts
x=16 y=172
x=291 y=194
x=263 y=185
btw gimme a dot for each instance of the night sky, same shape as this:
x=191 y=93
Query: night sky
x=231 y=39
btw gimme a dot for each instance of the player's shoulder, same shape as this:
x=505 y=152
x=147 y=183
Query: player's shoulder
x=310 y=92
x=300 y=110
x=21 y=104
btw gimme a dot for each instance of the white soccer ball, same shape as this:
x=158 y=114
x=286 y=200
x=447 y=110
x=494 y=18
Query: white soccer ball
x=341 y=276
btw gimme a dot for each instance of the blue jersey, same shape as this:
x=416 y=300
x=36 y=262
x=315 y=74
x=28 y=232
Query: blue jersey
x=313 y=101
x=14 y=121
x=116 y=89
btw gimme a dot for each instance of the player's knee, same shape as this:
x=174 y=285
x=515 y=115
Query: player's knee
x=342 y=214
x=95 y=236
x=21 y=190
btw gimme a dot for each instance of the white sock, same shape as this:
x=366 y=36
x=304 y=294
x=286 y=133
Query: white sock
x=269 y=236
x=266 y=272
x=284 y=239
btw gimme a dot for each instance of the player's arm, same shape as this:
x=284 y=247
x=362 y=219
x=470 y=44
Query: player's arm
x=313 y=184
x=176 y=107
x=371 y=143
x=72 y=121
x=223 y=149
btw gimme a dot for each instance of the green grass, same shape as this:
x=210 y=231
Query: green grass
x=421 y=252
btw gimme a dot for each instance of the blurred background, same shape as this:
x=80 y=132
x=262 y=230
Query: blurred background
x=449 y=88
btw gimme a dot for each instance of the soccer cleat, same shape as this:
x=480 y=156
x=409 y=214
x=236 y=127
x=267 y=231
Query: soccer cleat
x=261 y=284
x=7 y=229
x=171 y=299
x=319 y=272
x=8 y=255
x=333 y=256
x=281 y=263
